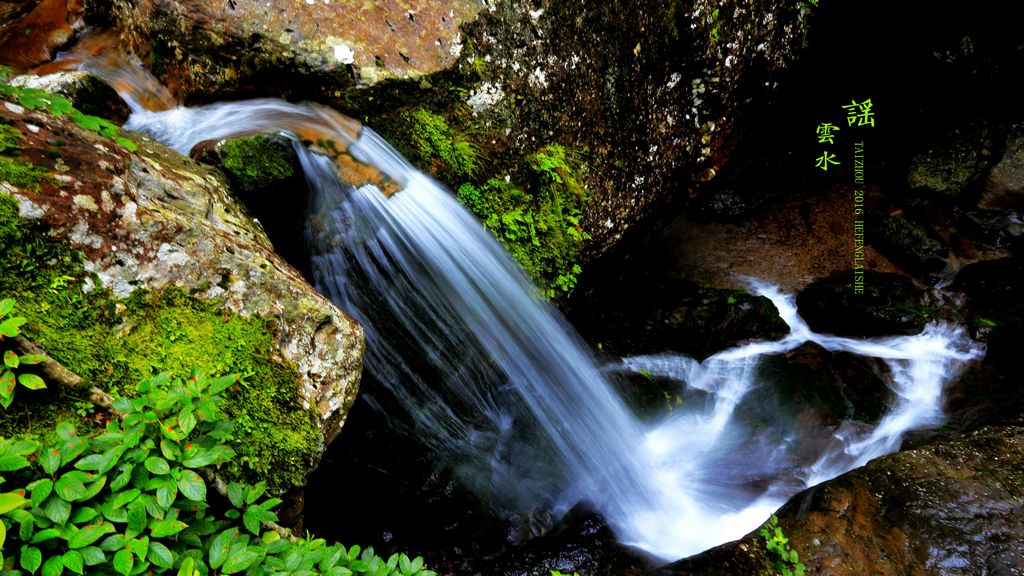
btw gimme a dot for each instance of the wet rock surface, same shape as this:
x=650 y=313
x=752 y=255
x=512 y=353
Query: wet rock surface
x=648 y=315
x=891 y=304
x=951 y=508
x=839 y=385
x=154 y=219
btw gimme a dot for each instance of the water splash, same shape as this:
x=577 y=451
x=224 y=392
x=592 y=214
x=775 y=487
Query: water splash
x=728 y=476
x=495 y=381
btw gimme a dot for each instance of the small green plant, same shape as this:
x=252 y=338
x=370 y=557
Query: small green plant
x=10 y=326
x=132 y=499
x=36 y=99
x=557 y=573
x=787 y=560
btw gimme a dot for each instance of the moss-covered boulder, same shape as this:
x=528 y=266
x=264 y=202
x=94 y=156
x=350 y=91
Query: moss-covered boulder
x=952 y=508
x=126 y=263
x=907 y=245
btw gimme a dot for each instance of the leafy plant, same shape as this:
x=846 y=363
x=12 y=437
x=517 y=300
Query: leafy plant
x=132 y=499
x=434 y=139
x=36 y=99
x=787 y=560
x=10 y=326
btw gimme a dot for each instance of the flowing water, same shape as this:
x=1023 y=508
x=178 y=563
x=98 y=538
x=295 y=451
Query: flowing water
x=493 y=380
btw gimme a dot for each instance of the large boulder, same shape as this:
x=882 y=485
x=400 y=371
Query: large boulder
x=949 y=508
x=661 y=85
x=160 y=236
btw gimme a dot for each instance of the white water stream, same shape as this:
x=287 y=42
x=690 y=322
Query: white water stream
x=500 y=386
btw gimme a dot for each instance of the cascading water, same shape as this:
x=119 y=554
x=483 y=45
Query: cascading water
x=495 y=381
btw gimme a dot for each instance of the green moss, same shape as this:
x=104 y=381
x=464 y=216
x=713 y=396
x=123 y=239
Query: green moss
x=14 y=171
x=540 y=230
x=435 y=141
x=113 y=344
x=253 y=163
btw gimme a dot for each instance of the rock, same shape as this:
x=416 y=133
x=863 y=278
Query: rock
x=1005 y=185
x=907 y=245
x=949 y=165
x=580 y=542
x=206 y=47
x=663 y=86
x=154 y=220
x=840 y=385
x=645 y=315
x=992 y=286
x=32 y=31
x=265 y=175
x=890 y=305
x=86 y=92
x=949 y=508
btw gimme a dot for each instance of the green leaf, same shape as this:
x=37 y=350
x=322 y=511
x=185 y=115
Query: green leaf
x=187 y=567
x=123 y=562
x=83 y=515
x=236 y=494
x=167 y=492
x=10 y=501
x=240 y=561
x=136 y=519
x=12 y=454
x=65 y=430
x=25 y=527
x=31 y=359
x=125 y=497
x=218 y=385
x=11 y=327
x=73 y=448
x=157 y=465
x=168 y=527
x=91 y=462
x=255 y=492
x=92 y=556
x=44 y=535
x=192 y=486
x=73 y=561
x=251 y=519
x=57 y=510
x=49 y=459
x=31 y=381
x=169 y=450
x=220 y=546
x=3 y=537
x=160 y=555
x=89 y=535
x=54 y=566
x=69 y=487
x=6 y=305
x=417 y=564
x=31 y=558
x=11 y=359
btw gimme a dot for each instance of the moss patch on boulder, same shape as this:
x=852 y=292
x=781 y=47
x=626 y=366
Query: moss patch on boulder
x=114 y=343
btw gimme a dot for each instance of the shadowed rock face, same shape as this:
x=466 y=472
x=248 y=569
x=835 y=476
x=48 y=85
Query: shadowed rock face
x=154 y=219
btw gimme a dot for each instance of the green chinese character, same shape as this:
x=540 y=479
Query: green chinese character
x=825 y=132
x=859 y=113
x=825 y=160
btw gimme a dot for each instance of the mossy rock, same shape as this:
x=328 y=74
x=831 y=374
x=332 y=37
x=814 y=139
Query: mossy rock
x=167 y=274
x=907 y=245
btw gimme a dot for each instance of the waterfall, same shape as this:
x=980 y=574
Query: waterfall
x=493 y=379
